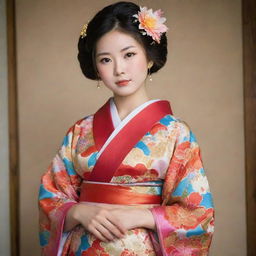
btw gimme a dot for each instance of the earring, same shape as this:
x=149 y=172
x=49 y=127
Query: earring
x=150 y=64
x=98 y=84
x=150 y=77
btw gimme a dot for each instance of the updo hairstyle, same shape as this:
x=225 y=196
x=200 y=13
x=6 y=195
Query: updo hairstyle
x=118 y=16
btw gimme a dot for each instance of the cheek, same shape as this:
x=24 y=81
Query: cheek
x=140 y=65
x=103 y=72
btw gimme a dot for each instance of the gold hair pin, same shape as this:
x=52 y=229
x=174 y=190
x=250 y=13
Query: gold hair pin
x=83 y=31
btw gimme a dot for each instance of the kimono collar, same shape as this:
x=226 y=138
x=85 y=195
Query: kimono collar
x=113 y=144
x=115 y=116
x=107 y=123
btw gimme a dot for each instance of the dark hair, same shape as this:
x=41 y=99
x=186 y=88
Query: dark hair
x=118 y=16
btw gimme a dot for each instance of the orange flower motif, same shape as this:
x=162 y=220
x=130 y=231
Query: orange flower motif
x=194 y=199
x=126 y=252
x=151 y=22
x=195 y=246
x=157 y=127
x=95 y=249
x=180 y=217
x=139 y=171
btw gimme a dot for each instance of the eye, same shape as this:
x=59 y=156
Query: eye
x=130 y=54
x=105 y=60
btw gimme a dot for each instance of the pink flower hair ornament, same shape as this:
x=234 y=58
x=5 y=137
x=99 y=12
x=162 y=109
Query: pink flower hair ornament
x=151 y=22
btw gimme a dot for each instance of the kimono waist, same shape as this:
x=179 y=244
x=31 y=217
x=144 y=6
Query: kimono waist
x=126 y=194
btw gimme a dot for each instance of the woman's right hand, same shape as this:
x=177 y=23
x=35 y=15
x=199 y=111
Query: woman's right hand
x=97 y=220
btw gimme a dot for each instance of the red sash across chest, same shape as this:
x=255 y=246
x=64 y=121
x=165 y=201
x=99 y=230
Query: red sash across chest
x=115 y=152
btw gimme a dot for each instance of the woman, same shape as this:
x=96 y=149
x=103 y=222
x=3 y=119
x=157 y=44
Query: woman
x=129 y=179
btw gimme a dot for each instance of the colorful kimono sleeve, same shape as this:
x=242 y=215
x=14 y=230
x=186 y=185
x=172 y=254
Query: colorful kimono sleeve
x=58 y=193
x=185 y=219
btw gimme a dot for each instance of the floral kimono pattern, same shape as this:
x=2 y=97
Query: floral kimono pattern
x=166 y=157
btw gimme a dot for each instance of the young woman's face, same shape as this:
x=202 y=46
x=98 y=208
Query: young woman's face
x=121 y=63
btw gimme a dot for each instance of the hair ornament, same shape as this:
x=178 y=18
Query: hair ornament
x=83 y=31
x=151 y=22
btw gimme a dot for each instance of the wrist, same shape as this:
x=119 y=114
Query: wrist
x=73 y=214
x=150 y=220
x=146 y=218
x=71 y=219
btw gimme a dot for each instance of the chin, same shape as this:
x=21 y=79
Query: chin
x=123 y=94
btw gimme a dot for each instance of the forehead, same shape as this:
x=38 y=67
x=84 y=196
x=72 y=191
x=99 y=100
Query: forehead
x=115 y=41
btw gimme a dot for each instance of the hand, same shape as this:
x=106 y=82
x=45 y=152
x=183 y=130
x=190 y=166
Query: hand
x=99 y=221
x=133 y=217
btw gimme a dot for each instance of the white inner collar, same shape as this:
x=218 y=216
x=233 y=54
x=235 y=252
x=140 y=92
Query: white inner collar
x=114 y=113
x=116 y=118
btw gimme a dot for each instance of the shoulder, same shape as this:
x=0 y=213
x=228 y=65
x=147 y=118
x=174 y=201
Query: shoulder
x=80 y=127
x=171 y=122
x=179 y=128
x=81 y=124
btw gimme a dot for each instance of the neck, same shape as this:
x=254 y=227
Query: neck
x=126 y=104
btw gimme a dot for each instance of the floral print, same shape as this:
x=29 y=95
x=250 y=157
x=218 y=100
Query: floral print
x=169 y=154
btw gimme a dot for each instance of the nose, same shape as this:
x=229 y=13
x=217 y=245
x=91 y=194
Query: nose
x=119 y=68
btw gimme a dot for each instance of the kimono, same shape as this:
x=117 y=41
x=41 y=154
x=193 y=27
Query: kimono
x=149 y=159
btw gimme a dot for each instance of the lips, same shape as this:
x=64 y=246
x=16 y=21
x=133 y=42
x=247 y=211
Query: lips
x=123 y=82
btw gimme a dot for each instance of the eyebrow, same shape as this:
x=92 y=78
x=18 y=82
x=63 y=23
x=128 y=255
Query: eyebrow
x=107 y=53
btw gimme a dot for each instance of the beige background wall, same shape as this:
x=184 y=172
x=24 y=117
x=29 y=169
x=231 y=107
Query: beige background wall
x=202 y=79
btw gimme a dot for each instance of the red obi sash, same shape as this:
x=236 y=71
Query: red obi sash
x=116 y=194
x=125 y=140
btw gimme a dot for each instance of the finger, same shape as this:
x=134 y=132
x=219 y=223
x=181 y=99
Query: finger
x=115 y=230
x=99 y=231
x=117 y=224
x=104 y=232
x=113 y=220
x=98 y=235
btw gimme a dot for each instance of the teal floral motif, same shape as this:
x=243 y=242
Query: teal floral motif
x=141 y=145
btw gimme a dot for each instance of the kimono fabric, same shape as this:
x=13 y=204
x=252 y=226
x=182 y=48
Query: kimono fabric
x=150 y=159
